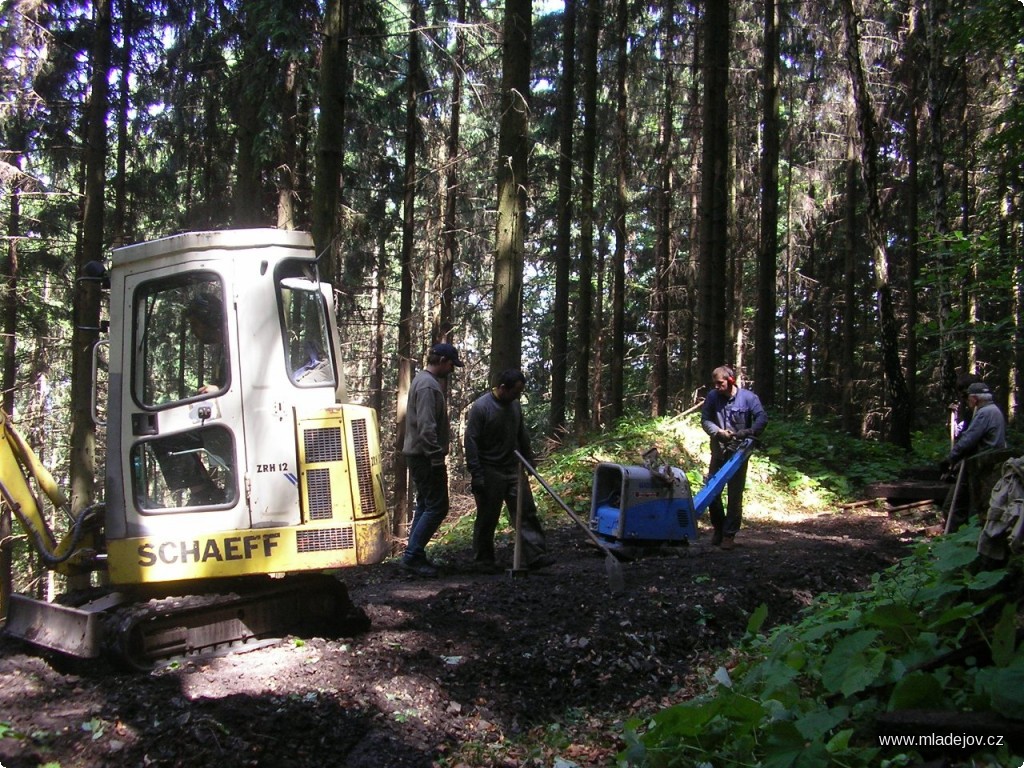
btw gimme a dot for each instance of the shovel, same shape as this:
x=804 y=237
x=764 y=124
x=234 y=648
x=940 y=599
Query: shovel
x=950 y=516
x=612 y=566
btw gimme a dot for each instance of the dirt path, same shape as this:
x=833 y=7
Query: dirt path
x=463 y=659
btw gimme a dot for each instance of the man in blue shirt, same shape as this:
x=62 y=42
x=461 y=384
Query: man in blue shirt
x=729 y=415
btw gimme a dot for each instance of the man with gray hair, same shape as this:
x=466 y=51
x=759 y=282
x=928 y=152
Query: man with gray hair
x=985 y=432
x=987 y=428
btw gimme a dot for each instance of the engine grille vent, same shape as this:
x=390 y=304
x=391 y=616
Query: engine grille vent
x=361 y=441
x=318 y=493
x=323 y=444
x=325 y=539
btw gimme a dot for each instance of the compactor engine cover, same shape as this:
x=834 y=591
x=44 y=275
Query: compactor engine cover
x=636 y=505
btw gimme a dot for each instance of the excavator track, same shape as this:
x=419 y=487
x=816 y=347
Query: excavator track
x=140 y=631
x=144 y=635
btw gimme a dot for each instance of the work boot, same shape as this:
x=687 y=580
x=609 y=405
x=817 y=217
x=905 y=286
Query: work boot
x=418 y=566
x=716 y=538
x=728 y=542
x=540 y=562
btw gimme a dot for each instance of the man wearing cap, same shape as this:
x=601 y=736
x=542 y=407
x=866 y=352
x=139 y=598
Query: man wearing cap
x=427 y=435
x=986 y=431
x=495 y=430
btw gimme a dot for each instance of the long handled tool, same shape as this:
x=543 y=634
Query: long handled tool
x=612 y=566
x=951 y=514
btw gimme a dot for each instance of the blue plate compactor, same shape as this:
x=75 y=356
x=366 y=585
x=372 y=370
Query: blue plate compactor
x=633 y=508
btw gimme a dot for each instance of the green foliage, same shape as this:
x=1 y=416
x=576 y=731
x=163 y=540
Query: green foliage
x=821 y=465
x=808 y=694
x=8 y=731
x=838 y=464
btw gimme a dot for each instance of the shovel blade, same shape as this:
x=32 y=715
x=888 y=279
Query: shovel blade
x=616 y=580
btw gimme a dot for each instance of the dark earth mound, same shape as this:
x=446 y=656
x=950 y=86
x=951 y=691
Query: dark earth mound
x=455 y=670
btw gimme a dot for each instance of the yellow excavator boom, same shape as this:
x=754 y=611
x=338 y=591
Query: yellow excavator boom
x=19 y=466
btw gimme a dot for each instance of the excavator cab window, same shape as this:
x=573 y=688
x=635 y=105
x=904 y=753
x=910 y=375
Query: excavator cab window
x=180 y=356
x=185 y=469
x=304 y=322
x=179 y=334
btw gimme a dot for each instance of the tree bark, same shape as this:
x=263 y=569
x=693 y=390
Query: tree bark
x=563 y=238
x=895 y=382
x=406 y=324
x=87 y=295
x=661 y=290
x=616 y=365
x=585 y=304
x=714 y=196
x=330 y=142
x=764 y=320
x=513 y=151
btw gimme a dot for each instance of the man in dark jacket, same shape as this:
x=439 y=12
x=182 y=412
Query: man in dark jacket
x=427 y=437
x=977 y=449
x=494 y=431
x=729 y=415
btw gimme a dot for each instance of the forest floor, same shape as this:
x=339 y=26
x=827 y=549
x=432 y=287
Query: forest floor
x=534 y=669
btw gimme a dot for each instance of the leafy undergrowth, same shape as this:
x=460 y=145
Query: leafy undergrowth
x=936 y=634
x=799 y=467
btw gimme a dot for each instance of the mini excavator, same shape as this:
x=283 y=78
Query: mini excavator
x=238 y=481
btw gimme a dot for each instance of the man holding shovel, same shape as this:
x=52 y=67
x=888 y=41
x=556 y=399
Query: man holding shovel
x=494 y=432
x=986 y=431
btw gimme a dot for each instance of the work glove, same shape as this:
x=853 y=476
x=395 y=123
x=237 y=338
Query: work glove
x=723 y=436
x=742 y=434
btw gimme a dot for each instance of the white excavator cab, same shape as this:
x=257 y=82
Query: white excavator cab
x=229 y=451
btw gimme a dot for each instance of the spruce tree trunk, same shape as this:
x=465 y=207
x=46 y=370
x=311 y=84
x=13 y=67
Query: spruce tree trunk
x=286 y=178
x=513 y=151
x=403 y=506
x=938 y=89
x=895 y=382
x=616 y=390
x=913 y=226
x=764 y=320
x=10 y=366
x=585 y=304
x=449 y=254
x=118 y=233
x=714 y=196
x=848 y=373
x=330 y=140
x=87 y=295
x=563 y=239
x=660 y=295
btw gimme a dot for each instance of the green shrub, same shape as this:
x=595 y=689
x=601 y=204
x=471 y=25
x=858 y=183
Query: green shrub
x=808 y=694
